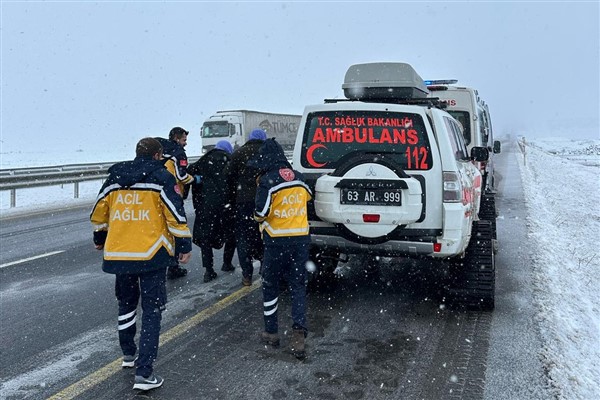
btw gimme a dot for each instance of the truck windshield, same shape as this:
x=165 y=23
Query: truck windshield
x=331 y=135
x=465 y=121
x=215 y=129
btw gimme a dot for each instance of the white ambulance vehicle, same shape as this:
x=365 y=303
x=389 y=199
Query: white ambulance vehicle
x=392 y=176
x=467 y=107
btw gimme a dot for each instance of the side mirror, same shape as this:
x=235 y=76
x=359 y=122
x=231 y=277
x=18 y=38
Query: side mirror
x=480 y=154
x=497 y=146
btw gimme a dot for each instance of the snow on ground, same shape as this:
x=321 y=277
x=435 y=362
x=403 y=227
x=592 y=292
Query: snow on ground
x=563 y=202
x=561 y=178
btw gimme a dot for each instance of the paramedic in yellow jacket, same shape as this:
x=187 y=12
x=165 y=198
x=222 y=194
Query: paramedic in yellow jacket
x=140 y=224
x=176 y=162
x=175 y=158
x=281 y=206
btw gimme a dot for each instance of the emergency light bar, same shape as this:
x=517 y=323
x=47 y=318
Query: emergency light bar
x=441 y=82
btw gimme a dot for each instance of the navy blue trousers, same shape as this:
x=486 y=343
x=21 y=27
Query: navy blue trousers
x=247 y=238
x=284 y=262
x=208 y=257
x=150 y=286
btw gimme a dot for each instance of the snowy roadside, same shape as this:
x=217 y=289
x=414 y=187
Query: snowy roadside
x=563 y=203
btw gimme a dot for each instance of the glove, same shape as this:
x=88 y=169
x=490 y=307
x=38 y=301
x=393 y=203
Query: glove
x=197 y=179
x=100 y=237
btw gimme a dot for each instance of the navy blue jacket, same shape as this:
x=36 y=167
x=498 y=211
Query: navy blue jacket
x=241 y=179
x=281 y=197
x=139 y=218
x=214 y=213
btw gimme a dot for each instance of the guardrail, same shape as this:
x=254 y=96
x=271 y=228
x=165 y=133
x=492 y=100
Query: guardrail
x=19 y=178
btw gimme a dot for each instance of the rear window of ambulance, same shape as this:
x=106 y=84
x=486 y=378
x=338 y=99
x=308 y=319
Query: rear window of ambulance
x=463 y=118
x=330 y=136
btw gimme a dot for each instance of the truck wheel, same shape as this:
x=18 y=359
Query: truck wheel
x=472 y=278
x=322 y=277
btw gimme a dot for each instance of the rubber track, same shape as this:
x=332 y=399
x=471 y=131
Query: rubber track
x=474 y=283
x=487 y=211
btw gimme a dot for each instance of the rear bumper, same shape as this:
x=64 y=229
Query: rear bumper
x=388 y=249
x=402 y=242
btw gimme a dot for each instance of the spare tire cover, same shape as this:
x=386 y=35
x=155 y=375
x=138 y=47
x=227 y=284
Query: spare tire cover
x=367 y=179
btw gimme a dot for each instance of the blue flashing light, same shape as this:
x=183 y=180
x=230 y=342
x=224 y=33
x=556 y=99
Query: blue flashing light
x=441 y=82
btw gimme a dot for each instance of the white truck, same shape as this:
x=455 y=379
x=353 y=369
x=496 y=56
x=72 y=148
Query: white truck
x=236 y=125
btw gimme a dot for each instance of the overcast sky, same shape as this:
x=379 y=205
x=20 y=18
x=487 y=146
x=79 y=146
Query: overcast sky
x=101 y=75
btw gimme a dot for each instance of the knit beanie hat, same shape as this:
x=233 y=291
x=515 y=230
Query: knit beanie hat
x=258 y=134
x=225 y=146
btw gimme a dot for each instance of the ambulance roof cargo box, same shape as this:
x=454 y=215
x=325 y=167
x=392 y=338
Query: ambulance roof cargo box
x=383 y=80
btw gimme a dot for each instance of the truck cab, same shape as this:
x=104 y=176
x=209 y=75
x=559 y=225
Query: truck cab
x=222 y=126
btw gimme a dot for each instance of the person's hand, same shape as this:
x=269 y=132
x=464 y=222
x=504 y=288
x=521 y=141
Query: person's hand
x=99 y=246
x=185 y=257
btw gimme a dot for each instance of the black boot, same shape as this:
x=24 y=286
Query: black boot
x=297 y=344
x=175 y=271
x=209 y=275
x=227 y=267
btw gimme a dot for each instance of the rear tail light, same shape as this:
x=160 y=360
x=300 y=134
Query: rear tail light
x=452 y=188
x=371 y=218
x=437 y=247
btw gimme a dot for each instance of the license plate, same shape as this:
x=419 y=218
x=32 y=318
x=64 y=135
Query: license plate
x=372 y=197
